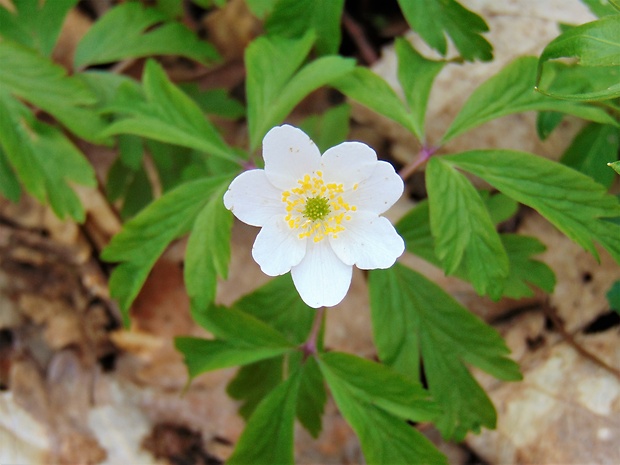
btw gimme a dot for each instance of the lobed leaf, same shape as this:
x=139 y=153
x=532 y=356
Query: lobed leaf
x=312 y=397
x=130 y=30
x=166 y=115
x=412 y=316
x=384 y=437
x=9 y=184
x=571 y=201
x=465 y=236
x=512 y=90
x=434 y=19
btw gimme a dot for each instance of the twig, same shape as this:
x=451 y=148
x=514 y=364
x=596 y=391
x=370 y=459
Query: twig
x=550 y=312
x=356 y=32
x=425 y=153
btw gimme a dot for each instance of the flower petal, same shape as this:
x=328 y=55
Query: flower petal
x=348 y=163
x=379 y=192
x=369 y=242
x=253 y=199
x=321 y=278
x=289 y=154
x=277 y=248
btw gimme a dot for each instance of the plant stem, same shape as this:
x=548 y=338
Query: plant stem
x=423 y=155
x=310 y=346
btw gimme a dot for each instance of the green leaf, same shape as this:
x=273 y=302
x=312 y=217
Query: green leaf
x=167 y=115
x=329 y=129
x=592 y=45
x=546 y=122
x=278 y=304
x=372 y=91
x=203 y=355
x=512 y=90
x=500 y=206
x=523 y=269
x=261 y=8
x=601 y=7
x=9 y=185
x=592 y=149
x=433 y=19
x=268 y=437
x=208 y=251
x=144 y=238
x=130 y=30
x=215 y=101
x=411 y=316
x=34 y=24
x=35 y=79
x=384 y=436
x=253 y=382
x=465 y=236
x=293 y=18
x=45 y=161
x=572 y=201
x=273 y=86
x=312 y=397
x=613 y=297
x=615 y=166
x=416 y=75
x=138 y=195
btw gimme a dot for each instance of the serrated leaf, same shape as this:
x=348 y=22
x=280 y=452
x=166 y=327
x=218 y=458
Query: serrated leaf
x=35 y=79
x=9 y=185
x=278 y=304
x=274 y=86
x=384 y=437
x=372 y=91
x=253 y=382
x=130 y=30
x=208 y=251
x=523 y=269
x=416 y=75
x=167 y=115
x=615 y=166
x=411 y=316
x=268 y=437
x=571 y=201
x=329 y=129
x=35 y=24
x=512 y=90
x=591 y=150
x=311 y=398
x=203 y=355
x=45 y=161
x=465 y=236
x=144 y=238
x=293 y=18
x=434 y=19
x=593 y=45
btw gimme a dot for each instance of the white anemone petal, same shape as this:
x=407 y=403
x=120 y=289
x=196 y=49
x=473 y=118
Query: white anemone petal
x=321 y=278
x=378 y=192
x=289 y=154
x=348 y=163
x=277 y=248
x=253 y=199
x=369 y=242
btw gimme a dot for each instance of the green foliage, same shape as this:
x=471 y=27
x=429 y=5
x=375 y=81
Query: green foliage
x=35 y=24
x=145 y=237
x=595 y=47
x=275 y=83
x=613 y=297
x=433 y=19
x=465 y=236
x=330 y=128
x=253 y=382
x=128 y=31
x=414 y=318
x=166 y=114
x=294 y=18
x=512 y=90
x=312 y=397
x=601 y=7
x=592 y=149
x=572 y=201
x=615 y=166
x=375 y=401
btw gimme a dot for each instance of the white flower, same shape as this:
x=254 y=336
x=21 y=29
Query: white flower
x=319 y=214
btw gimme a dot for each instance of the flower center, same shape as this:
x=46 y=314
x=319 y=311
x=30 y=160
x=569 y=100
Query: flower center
x=317 y=209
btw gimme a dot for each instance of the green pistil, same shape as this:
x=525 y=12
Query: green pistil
x=317 y=208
